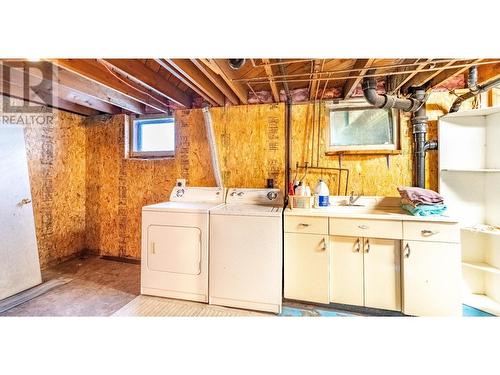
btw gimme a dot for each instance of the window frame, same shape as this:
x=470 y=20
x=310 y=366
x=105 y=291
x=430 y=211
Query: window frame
x=133 y=138
x=363 y=105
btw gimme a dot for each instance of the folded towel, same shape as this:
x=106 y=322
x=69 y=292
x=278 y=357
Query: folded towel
x=425 y=209
x=420 y=196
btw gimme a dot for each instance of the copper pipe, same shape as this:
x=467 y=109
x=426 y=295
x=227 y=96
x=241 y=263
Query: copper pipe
x=279 y=62
x=381 y=67
x=375 y=74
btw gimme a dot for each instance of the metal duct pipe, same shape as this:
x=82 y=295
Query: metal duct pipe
x=472 y=80
x=470 y=94
x=414 y=104
x=387 y=101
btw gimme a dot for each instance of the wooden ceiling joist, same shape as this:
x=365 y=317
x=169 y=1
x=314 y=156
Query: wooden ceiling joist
x=449 y=73
x=228 y=75
x=191 y=72
x=70 y=82
x=272 y=84
x=154 y=81
x=217 y=81
x=351 y=84
x=98 y=72
x=410 y=75
x=421 y=78
x=313 y=87
x=177 y=74
x=15 y=88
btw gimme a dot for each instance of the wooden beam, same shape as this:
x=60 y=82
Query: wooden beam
x=228 y=75
x=217 y=81
x=421 y=78
x=313 y=87
x=351 y=84
x=270 y=75
x=177 y=74
x=449 y=73
x=191 y=72
x=149 y=78
x=488 y=72
x=98 y=72
x=16 y=73
x=81 y=85
x=411 y=75
x=15 y=88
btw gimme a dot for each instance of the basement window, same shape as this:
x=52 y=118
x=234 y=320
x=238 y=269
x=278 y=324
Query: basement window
x=363 y=128
x=152 y=137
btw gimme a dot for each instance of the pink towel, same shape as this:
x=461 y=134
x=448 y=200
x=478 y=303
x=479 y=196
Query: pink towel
x=420 y=196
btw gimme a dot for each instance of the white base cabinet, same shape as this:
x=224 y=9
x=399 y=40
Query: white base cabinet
x=306 y=267
x=431 y=278
x=365 y=272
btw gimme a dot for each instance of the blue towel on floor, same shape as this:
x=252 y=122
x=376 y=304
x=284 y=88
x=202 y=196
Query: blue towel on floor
x=425 y=209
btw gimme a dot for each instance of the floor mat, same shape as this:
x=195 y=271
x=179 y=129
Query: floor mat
x=22 y=297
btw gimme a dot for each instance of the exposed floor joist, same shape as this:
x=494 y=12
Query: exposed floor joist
x=191 y=72
x=351 y=84
x=177 y=74
x=228 y=76
x=421 y=78
x=269 y=71
x=154 y=81
x=449 y=73
x=314 y=86
x=410 y=75
x=217 y=81
x=97 y=72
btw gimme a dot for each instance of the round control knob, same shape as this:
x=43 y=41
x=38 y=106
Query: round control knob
x=272 y=195
x=240 y=194
x=180 y=193
x=233 y=194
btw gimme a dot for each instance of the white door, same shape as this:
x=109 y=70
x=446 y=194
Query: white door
x=19 y=264
x=431 y=278
x=346 y=270
x=174 y=249
x=306 y=267
x=382 y=273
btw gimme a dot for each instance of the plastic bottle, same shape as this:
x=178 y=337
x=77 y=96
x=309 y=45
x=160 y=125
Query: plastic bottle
x=299 y=190
x=322 y=194
x=307 y=191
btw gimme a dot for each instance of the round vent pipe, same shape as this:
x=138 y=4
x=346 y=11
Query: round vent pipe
x=236 y=64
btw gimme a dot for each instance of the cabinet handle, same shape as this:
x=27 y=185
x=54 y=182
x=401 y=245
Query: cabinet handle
x=367 y=245
x=363 y=226
x=407 y=249
x=357 y=248
x=324 y=244
x=153 y=248
x=303 y=224
x=427 y=232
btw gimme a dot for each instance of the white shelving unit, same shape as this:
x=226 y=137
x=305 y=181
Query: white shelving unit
x=469 y=179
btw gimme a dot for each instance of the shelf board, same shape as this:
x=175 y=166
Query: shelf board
x=483 y=229
x=479 y=170
x=482 y=302
x=481 y=266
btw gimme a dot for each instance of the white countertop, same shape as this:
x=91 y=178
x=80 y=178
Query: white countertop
x=354 y=212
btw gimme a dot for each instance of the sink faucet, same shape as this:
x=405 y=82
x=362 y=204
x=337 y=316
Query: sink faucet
x=353 y=199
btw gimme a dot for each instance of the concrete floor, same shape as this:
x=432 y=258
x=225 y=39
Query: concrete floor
x=98 y=288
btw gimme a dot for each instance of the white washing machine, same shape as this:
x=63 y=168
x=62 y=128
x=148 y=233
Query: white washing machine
x=246 y=250
x=174 y=261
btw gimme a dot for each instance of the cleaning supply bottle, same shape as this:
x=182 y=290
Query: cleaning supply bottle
x=322 y=194
x=307 y=191
x=299 y=190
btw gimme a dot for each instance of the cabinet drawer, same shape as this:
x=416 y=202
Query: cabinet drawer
x=366 y=228
x=435 y=232
x=306 y=224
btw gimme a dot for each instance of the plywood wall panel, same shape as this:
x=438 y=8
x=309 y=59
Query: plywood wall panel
x=55 y=143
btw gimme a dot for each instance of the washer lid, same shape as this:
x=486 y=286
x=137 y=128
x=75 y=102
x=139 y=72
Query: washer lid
x=248 y=210
x=186 y=207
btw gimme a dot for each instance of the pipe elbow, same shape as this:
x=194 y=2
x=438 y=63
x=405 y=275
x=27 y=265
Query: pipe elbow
x=371 y=95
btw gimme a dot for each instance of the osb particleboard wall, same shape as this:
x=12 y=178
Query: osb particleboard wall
x=250 y=141
x=55 y=145
x=369 y=174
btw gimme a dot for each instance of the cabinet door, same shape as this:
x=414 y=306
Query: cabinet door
x=306 y=267
x=382 y=273
x=431 y=278
x=346 y=270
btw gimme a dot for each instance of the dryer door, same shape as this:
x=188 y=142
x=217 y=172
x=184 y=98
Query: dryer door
x=174 y=249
